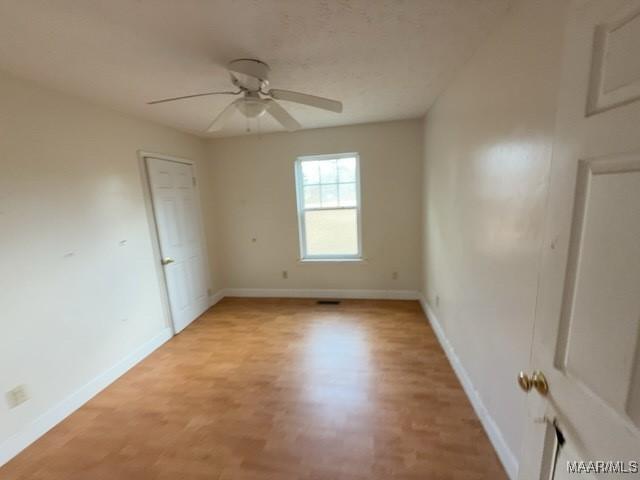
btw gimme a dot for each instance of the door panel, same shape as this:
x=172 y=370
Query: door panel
x=175 y=203
x=603 y=300
x=587 y=327
x=178 y=285
x=191 y=231
x=198 y=278
x=615 y=76
x=170 y=231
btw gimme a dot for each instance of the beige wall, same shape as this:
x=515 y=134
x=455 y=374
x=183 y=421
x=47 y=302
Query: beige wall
x=75 y=301
x=487 y=152
x=254 y=197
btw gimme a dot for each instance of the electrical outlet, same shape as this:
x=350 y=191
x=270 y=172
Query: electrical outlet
x=209 y=291
x=394 y=275
x=17 y=396
x=285 y=274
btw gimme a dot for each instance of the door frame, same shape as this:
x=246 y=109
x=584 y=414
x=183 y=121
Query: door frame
x=153 y=226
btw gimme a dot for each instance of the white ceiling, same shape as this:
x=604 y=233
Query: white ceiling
x=385 y=59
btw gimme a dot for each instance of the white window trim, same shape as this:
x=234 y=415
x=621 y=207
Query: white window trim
x=300 y=200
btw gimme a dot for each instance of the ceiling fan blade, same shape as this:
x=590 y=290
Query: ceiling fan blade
x=282 y=116
x=311 y=100
x=192 y=96
x=222 y=117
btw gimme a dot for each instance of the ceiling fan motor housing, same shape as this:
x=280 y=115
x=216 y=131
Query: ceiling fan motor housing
x=249 y=74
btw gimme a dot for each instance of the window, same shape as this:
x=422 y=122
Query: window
x=328 y=190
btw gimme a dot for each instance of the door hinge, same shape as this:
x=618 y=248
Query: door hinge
x=194 y=181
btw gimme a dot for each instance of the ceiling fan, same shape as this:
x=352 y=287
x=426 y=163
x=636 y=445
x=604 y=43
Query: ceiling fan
x=251 y=77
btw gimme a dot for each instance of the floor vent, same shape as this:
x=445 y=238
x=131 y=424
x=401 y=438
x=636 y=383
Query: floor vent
x=328 y=302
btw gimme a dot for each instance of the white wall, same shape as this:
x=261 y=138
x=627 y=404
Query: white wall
x=254 y=197
x=487 y=153
x=75 y=301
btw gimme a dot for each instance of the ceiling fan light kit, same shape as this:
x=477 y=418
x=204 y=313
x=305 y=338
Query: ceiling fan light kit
x=252 y=107
x=251 y=77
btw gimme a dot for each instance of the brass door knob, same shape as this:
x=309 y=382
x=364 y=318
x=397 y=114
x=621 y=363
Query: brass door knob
x=167 y=260
x=537 y=381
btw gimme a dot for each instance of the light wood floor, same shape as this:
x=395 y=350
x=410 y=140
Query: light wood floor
x=262 y=389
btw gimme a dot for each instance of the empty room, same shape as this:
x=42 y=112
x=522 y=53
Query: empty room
x=319 y=239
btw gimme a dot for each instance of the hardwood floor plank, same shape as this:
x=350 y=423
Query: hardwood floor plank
x=259 y=389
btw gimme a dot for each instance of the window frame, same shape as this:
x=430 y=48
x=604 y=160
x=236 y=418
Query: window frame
x=304 y=256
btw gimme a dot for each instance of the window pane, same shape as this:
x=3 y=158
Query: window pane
x=347 y=170
x=328 y=171
x=331 y=232
x=329 y=195
x=310 y=172
x=347 y=194
x=312 y=196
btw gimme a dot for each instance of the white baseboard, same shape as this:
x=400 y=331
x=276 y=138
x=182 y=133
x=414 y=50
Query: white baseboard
x=508 y=459
x=322 y=293
x=216 y=297
x=21 y=440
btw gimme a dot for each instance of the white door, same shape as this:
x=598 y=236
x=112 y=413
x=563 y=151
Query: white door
x=587 y=330
x=178 y=220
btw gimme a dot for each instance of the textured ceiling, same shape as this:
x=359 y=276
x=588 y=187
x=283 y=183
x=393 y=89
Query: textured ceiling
x=384 y=59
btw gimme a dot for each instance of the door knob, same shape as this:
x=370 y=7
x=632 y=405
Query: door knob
x=537 y=381
x=167 y=260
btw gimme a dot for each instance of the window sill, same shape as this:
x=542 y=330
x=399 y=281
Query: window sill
x=332 y=260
